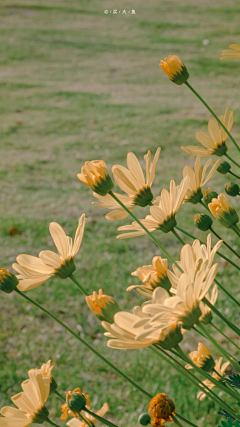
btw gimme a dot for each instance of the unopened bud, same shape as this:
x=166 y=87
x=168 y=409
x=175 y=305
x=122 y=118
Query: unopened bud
x=76 y=402
x=103 y=306
x=224 y=167
x=8 y=281
x=203 y=221
x=208 y=195
x=232 y=189
x=144 y=419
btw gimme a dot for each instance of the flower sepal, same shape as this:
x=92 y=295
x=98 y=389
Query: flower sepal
x=40 y=416
x=208 y=195
x=195 y=197
x=8 y=281
x=77 y=402
x=168 y=224
x=172 y=337
x=67 y=268
x=143 y=197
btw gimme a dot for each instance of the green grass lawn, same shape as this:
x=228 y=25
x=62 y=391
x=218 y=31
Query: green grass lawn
x=78 y=85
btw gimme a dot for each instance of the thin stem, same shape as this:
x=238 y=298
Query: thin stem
x=224 y=242
x=224 y=353
x=103 y=420
x=52 y=423
x=231 y=160
x=214 y=115
x=84 y=343
x=145 y=229
x=219 y=253
x=205 y=206
x=59 y=395
x=227 y=338
x=186 y=373
x=236 y=229
x=217 y=312
x=234 y=174
x=178 y=237
x=184 y=419
x=78 y=284
x=175 y=420
x=226 y=292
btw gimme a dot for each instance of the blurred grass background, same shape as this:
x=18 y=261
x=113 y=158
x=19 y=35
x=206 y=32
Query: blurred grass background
x=78 y=84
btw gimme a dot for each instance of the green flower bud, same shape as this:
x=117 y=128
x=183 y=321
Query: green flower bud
x=144 y=419
x=103 y=306
x=232 y=189
x=208 y=195
x=77 y=402
x=224 y=167
x=8 y=281
x=203 y=221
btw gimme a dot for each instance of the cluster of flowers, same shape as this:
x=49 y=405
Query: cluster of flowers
x=177 y=299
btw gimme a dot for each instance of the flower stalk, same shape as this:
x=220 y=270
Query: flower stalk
x=51 y=423
x=78 y=284
x=222 y=333
x=217 y=312
x=231 y=160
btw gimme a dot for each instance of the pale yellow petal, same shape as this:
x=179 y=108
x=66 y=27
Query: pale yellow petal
x=205 y=140
x=135 y=168
x=10 y=412
x=60 y=239
x=214 y=131
x=194 y=150
x=33 y=263
x=27 y=284
x=125 y=180
x=50 y=258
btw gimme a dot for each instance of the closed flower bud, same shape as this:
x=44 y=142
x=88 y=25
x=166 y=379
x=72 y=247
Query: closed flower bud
x=224 y=167
x=76 y=402
x=202 y=358
x=144 y=419
x=208 y=195
x=95 y=175
x=203 y=221
x=8 y=281
x=223 y=211
x=232 y=189
x=175 y=69
x=103 y=306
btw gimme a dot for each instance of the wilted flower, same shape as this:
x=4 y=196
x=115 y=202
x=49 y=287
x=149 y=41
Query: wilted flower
x=161 y=410
x=175 y=69
x=103 y=306
x=198 y=180
x=132 y=180
x=233 y=53
x=8 y=281
x=35 y=271
x=223 y=211
x=152 y=276
x=215 y=141
x=162 y=212
x=107 y=202
x=30 y=402
x=76 y=422
x=202 y=358
x=95 y=175
x=221 y=370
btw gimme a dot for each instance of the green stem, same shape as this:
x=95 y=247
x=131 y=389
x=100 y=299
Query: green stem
x=218 y=384
x=217 y=312
x=145 y=229
x=78 y=284
x=230 y=158
x=184 y=419
x=219 y=253
x=84 y=343
x=175 y=420
x=214 y=115
x=226 y=292
x=236 y=229
x=225 y=243
x=59 y=395
x=188 y=375
x=224 y=353
x=103 y=420
x=234 y=174
x=227 y=338
x=178 y=237
x=51 y=422
x=205 y=206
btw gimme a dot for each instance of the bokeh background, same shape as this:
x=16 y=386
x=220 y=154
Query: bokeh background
x=78 y=84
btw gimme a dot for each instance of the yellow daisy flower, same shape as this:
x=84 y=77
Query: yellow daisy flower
x=202 y=358
x=103 y=306
x=221 y=370
x=223 y=211
x=95 y=175
x=175 y=69
x=215 y=141
x=233 y=53
x=35 y=271
x=132 y=180
x=107 y=202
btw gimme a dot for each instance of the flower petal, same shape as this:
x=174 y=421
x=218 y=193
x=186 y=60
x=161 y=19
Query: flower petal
x=60 y=239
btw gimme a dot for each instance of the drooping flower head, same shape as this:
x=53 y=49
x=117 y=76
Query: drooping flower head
x=161 y=410
x=8 y=281
x=198 y=179
x=34 y=271
x=223 y=211
x=95 y=175
x=221 y=370
x=215 y=141
x=132 y=180
x=76 y=422
x=152 y=276
x=232 y=53
x=202 y=358
x=30 y=402
x=107 y=202
x=103 y=306
x=162 y=212
x=175 y=69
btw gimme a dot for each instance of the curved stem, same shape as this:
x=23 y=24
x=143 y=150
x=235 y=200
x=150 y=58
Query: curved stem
x=145 y=229
x=84 y=343
x=215 y=310
x=103 y=420
x=234 y=174
x=78 y=284
x=219 y=253
x=51 y=422
x=231 y=160
x=227 y=338
x=224 y=242
x=214 y=115
x=236 y=229
x=178 y=237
